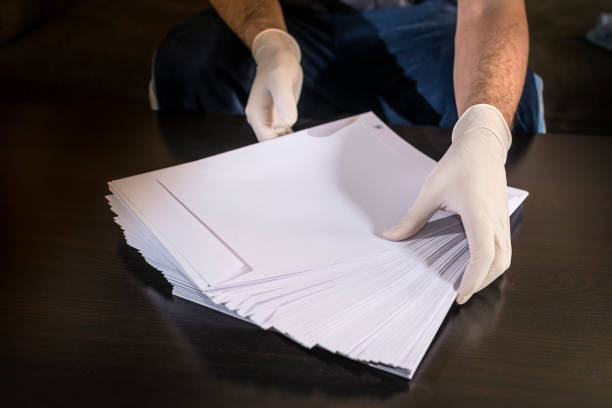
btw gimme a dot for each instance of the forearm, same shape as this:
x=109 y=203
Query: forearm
x=491 y=50
x=247 y=18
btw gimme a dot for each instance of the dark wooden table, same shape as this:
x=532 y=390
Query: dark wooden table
x=84 y=321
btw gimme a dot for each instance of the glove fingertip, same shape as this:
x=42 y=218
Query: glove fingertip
x=261 y=131
x=463 y=299
x=286 y=115
x=391 y=234
x=473 y=278
x=265 y=136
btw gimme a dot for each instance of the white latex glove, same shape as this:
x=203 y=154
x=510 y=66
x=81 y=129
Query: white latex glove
x=272 y=106
x=470 y=180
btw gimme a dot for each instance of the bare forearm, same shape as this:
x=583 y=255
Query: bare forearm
x=491 y=49
x=247 y=18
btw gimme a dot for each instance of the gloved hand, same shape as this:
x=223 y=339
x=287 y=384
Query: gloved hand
x=470 y=180
x=272 y=106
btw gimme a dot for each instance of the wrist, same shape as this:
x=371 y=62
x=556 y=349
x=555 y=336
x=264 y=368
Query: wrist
x=484 y=117
x=273 y=40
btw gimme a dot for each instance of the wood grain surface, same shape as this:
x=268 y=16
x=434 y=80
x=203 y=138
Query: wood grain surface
x=84 y=321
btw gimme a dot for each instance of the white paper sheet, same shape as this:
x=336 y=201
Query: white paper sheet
x=307 y=200
x=287 y=233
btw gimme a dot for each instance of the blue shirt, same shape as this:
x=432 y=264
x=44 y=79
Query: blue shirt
x=348 y=5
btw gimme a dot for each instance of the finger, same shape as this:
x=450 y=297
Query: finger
x=285 y=104
x=503 y=256
x=421 y=211
x=481 y=243
x=259 y=112
x=263 y=132
x=283 y=132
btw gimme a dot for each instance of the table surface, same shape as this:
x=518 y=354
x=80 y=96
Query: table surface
x=85 y=321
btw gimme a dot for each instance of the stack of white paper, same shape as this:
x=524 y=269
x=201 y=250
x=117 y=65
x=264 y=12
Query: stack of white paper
x=287 y=235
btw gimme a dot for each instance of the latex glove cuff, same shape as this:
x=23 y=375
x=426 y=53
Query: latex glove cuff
x=484 y=116
x=273 y=39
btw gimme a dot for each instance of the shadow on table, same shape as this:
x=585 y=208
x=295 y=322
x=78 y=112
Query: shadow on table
x=228 y=348
x=231 y=349
x=146 y=276
x=192 y=136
